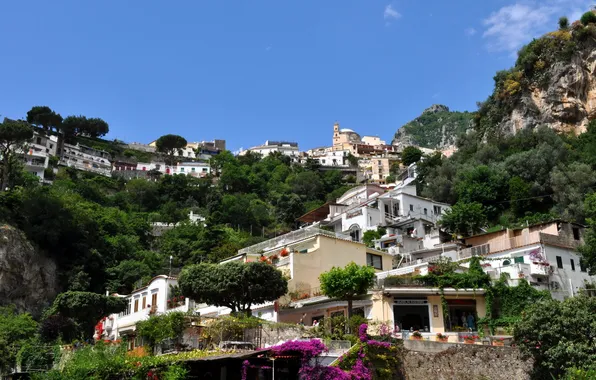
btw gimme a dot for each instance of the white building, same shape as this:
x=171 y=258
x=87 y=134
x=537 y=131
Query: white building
x=194 y=169
x=38 y=153
x=284 y=147
x=372 y=140
x=86 y=158
x=328 y=157
x=157 y=297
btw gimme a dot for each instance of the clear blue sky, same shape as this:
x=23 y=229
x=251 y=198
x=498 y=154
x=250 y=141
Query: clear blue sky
x=248 y=71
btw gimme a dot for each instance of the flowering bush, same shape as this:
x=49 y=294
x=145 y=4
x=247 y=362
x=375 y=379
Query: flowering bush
x=442 y=337
x=471 y=338
x=416 y=334
x=304 y=349
x=284 y=252
x=362 y=332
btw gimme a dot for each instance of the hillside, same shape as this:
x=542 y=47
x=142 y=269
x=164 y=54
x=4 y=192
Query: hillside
x=551 y=84
x=437 y=127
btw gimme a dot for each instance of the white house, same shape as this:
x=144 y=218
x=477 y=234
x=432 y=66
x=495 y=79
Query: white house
x=284 y=147
x=39 y=150
x=195 y=169
x=86 y=158
x=157 y=297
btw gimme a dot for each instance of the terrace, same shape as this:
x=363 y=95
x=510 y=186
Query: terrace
x=290 y=238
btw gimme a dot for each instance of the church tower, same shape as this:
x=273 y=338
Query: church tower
x=336 y=139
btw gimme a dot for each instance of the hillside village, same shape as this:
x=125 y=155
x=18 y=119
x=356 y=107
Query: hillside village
x=356 y=260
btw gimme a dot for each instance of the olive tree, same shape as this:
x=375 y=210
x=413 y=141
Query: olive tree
x=236 y=285
x=347 y=283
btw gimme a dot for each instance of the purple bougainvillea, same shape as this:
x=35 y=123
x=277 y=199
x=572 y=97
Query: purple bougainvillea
x=362 y=333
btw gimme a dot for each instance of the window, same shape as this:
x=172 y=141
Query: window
x=559 y=262
x=411 y=207
x=193 y=169
x=144 y=303
x=51 y=146
x=154 y=301
x=572 y=264
x=519 y=259
x=375 y=261
x=136 y=305
x=204 y=170
x=506 y=262
x=39 y=140
x=582 y=266
x=437 y=210
x=425 y=211
x=355 y=234
x=181 y=170
x=575 y=233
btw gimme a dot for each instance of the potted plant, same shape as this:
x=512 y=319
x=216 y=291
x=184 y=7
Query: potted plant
x=499 y=342
x=274 y=259
x=263 y=259
x=442 y=338
x=470 y=339
x=284 y=252
x=416 y=335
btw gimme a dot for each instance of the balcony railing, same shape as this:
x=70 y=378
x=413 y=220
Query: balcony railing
x=289 y=238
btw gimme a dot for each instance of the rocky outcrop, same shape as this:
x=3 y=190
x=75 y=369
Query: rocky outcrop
x=28 y=278
x=566 y=103
x=436 y=128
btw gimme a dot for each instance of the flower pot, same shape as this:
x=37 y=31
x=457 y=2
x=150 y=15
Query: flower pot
x=468 y=341
x=416 y=338
x=443 y=340
x=499 y=344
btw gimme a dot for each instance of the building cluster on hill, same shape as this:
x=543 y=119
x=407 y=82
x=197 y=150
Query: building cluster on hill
x=407 y=240
x=367 y=158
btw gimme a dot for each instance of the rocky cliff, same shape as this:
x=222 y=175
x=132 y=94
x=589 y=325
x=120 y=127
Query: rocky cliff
x=437 y=127
x=553 y=83
x=28 y=279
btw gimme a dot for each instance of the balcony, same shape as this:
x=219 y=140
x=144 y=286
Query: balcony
x=279 y=242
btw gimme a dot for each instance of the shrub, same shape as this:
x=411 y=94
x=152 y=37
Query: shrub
x=588 y=18
x=563 y=23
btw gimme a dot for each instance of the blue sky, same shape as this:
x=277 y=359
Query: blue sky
x=248 y=71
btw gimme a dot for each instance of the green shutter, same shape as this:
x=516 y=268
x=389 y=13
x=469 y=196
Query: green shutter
x=519 y=259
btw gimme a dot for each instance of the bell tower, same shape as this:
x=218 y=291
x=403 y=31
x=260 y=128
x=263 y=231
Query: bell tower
x=336 y=141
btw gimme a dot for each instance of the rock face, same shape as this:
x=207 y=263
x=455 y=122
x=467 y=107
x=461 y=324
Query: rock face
x=437 y=127
x=566 y=103
x=28 y=279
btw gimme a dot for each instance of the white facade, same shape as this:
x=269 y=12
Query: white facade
x=372 y=140
x=286 y=148
x=86 y=158
x=328 y=157
x=195 y=169
x=143 y=302
x=38 y=152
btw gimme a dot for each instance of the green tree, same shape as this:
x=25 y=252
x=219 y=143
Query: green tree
x=410 y=154
x=347 y=283
x=464 y=219
x=44 y=116
x=369 y=236
x=558 y=335
x=14 y=136
x=588 y=18
x=158 y=328
x=15 y=330
x=588 y=249
x=570 y=184
x=170 y=144
x=82 y=126
x=85 y=309
x=235 y=284
x=563 y=23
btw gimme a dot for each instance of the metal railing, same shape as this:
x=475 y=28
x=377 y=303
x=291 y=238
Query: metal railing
x=289 y=238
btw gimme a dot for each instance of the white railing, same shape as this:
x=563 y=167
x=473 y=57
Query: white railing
x=283 y=261
x=289 y=238
x=400 y=271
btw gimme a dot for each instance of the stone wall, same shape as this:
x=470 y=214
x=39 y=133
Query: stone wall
x=425 y=360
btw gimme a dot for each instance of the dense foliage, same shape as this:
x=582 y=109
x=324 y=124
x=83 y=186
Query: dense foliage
x=559 y=335
x=530 y=177
x=79 y=312
x=235 y=284
x=161 y=327
x=347 y=283
x=588 y=250
x=15 y=330
x=431 y=128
